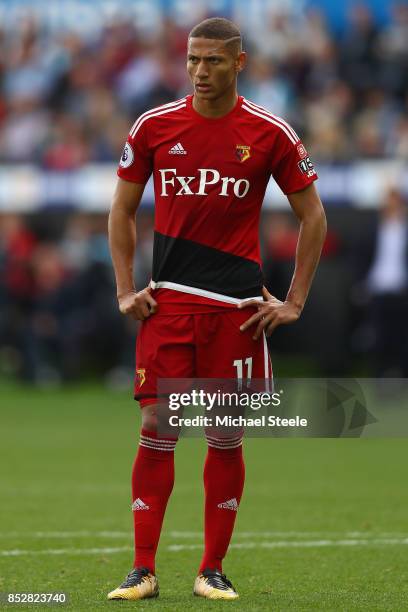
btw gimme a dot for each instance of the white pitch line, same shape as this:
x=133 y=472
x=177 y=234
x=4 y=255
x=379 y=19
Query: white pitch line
x=65 y=551
x=181 y=547
x=66 y=534
x=290 y=544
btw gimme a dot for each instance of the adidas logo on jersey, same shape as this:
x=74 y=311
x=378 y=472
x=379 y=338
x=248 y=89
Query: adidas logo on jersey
x=178 y=149
x=138 y=504
x=230 y=504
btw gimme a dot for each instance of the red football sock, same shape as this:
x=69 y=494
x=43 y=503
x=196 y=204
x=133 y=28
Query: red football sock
x=152 y=483
x=224 y=475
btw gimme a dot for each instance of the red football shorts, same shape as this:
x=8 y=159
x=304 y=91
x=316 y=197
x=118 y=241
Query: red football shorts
x=207 y=345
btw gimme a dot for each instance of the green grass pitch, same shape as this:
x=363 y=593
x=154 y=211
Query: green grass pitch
x=322 y=525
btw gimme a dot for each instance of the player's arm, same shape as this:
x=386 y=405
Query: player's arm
x=122 y=242
x=272 y=312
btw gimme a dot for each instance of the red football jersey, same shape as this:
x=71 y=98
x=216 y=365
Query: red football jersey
x=210 y=177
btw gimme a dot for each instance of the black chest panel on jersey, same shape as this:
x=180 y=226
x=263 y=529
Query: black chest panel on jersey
x=191 y=264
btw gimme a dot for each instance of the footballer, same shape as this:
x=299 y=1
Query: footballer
x=205 y=313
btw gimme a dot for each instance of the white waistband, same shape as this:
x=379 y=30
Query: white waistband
x=202 y=292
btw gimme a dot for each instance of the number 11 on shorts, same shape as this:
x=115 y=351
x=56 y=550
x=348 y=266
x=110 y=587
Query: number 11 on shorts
x=239 y=365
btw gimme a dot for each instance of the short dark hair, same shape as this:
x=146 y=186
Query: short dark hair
x=218 y=28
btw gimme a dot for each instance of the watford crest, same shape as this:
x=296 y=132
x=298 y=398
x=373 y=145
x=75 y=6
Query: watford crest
x=243 y=152
x=140 y=376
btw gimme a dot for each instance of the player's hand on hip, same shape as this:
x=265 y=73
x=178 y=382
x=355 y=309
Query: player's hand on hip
x=138 y=304
x=271 y=313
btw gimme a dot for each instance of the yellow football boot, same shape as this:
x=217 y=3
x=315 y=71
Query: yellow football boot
x=211 y=584
x=139 y=584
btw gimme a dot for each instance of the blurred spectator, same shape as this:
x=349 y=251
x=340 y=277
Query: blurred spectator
x=267 y=87
x=359 y=57
x=387 y=284
x=327 y=114
x=308 y=338
x=17 y=246
x=393 y=47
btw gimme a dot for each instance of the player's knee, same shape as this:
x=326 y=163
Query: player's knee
x=149 y=417
x=155 y=420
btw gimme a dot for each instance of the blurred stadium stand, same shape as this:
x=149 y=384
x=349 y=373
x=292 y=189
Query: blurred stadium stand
x=73 y=78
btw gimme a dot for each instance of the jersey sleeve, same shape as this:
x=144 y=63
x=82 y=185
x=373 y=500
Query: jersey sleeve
x=136 y=162
x=291 y=166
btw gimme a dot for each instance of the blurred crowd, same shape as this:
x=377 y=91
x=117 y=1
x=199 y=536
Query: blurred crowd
x=59 y=319
x=68 y=99
x=58 y=312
